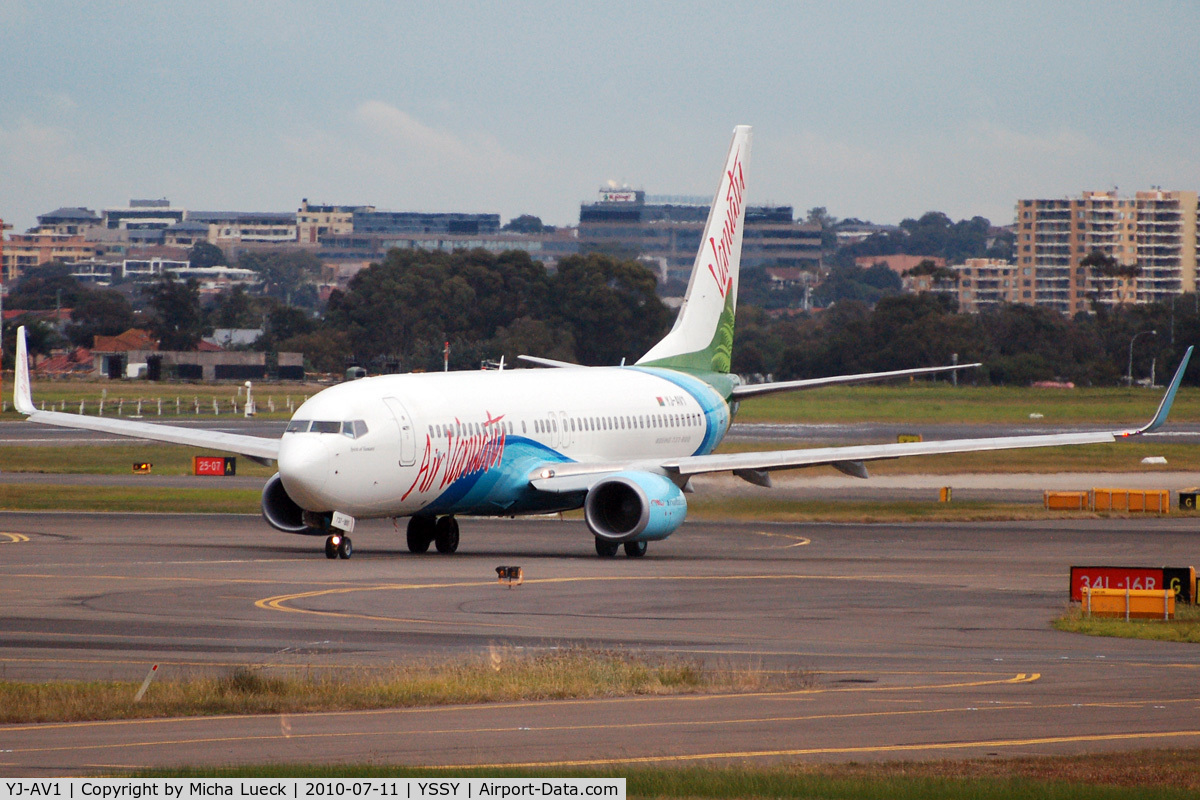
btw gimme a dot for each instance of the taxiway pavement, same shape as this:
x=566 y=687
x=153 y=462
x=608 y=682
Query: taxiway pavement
x=922 y=641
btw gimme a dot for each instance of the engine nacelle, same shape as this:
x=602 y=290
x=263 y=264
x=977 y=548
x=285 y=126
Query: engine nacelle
x=634 y=507
x=282 y=512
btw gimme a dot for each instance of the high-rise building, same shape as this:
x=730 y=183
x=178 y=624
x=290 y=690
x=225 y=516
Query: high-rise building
x=1148 y=243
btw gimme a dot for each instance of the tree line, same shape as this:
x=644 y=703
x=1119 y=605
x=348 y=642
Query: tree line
x=398 y=315
x=1018 y=344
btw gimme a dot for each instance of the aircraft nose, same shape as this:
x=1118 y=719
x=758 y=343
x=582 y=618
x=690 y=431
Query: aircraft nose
x=304 y=469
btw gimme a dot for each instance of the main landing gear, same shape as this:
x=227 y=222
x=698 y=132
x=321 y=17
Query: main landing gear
x=607 y=549
x=441 y=532
x=338 y=545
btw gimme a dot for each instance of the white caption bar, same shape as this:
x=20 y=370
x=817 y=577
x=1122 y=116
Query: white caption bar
x=305 y=788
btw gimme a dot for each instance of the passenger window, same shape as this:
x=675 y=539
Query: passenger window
x=297 y=426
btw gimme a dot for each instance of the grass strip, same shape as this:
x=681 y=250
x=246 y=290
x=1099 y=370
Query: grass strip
x=40 y=497
x=718 y=507
x=1112 y=457
x=1150 y=774
x=940 y=404
x=113 y=459
x=498 y=676
x=916 y=402
x=1184 y=628
x=166 y=500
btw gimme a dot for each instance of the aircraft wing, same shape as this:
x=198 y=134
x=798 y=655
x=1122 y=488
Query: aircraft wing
x=756 y=389
x=255 y=447
x=573 y=477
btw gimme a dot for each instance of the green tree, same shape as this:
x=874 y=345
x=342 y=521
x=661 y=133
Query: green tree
x=176 y=316
x=533 y=337
x=235 y=308
x=610 y=306
x=103 y=312
x=204 y=254
x=324 y=350
x=44 y=289
x=288 y=275
x=526 y=223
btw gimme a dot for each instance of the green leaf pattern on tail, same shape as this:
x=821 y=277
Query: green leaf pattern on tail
x=718 y=356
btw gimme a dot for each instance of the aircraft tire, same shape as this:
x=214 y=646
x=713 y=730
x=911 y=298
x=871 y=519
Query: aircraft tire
x=420 y=534
x=330 y=548
x=635 y=549
x=605 y=548
x=345 y=548
x=446 y=538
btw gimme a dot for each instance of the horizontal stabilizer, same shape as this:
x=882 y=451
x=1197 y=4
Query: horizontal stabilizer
x=548 y=362
x=756 y=389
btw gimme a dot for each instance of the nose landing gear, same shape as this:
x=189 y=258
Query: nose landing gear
x=338 y=545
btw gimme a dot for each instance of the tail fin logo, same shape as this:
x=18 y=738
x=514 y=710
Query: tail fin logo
x=719 y=266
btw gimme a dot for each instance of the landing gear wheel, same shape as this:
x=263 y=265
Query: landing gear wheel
x=420 y=534
x=446 y=534
x=345 y=549
x=635 y=549
x=330 y=548
x=605 y=548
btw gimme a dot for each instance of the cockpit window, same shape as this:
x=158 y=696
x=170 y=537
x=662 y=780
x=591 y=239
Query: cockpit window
x=297 y=426
x=320 y=426
x=354 y=428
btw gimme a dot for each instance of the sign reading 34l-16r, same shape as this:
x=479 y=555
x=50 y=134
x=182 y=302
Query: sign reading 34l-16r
x=1178 y=579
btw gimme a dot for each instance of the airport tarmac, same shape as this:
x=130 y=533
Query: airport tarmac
x=921 y=641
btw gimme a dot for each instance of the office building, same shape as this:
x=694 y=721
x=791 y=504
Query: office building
x=667 y=230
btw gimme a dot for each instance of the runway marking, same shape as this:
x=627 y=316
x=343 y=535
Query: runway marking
x=710 y=756
x=525 y=704
x=13 y=538
x=279 y=602
x=800 y=541
x=821 y=751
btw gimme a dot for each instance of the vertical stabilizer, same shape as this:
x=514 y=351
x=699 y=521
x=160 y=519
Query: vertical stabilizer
x=702 y=338
x=22 y=394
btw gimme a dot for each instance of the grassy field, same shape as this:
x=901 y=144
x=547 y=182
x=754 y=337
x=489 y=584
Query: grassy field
x=1184 y=628
x=35 y=497
x=502 y=675
x=938 y=403
x=1123 y=456
x=113 y=459
x=122 y=397
x=217 y=500
x=1146 y=775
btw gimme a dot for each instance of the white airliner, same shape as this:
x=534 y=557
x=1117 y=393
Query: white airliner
x=620 y=442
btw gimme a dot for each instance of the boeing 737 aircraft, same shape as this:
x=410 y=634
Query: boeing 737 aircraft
x=620 y=442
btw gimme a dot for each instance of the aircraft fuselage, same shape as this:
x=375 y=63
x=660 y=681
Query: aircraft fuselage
x=467 y=442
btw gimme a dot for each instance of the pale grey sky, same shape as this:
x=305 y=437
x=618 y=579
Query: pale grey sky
x=874 y=110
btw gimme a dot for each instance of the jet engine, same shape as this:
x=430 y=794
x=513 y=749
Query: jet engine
x=634 y=507
x=282 y=512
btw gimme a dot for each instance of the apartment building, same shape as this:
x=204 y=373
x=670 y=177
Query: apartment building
x=1149 y=243
x=315 y=221
x=25 y=250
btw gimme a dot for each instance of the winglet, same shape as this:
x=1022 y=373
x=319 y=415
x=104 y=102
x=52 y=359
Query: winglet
x=22 y=394
x=1164 y=407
